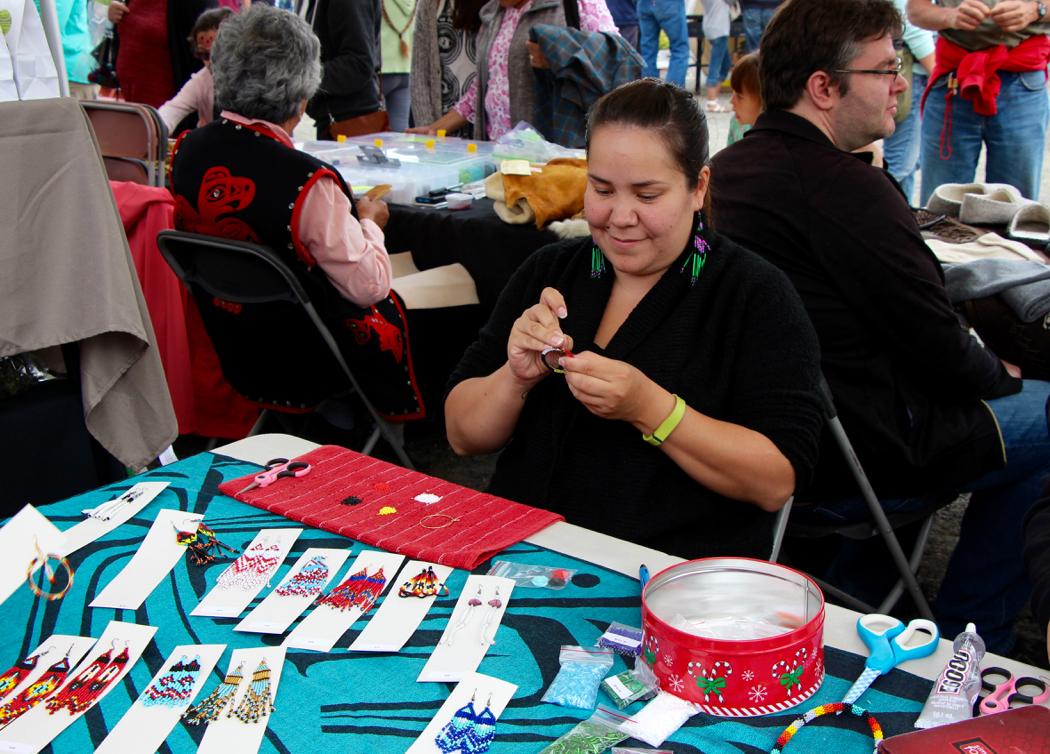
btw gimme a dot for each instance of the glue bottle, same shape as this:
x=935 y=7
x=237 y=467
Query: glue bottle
x=956 y=688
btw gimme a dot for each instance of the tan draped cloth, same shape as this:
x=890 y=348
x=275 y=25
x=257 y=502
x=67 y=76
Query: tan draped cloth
x=66 y=275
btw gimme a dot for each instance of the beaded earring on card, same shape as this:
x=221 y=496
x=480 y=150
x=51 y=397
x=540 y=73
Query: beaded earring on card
x=19 y=672
x=465 y=618
x=242 y=568
x=174 y=688
x=86 y=694
x=426 y=584
x=494 y=605
x=257 y=701
x=37 y=691
x=208 y=710
x=308 y=581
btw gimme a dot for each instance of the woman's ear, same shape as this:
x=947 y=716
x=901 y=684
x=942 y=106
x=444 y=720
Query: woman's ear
x=703 y=184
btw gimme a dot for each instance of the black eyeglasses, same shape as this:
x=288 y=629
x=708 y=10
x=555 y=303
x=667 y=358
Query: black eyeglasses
x=886 y=72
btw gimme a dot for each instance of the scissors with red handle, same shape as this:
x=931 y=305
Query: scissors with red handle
x=1008 y=693
x=278 y=468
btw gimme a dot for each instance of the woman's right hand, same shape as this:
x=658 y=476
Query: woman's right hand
x=536 y=329
x=374 y=210
x=430 y=130
x=116 y=11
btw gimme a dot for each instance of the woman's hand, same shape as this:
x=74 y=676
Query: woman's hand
x=615 y=390
x=536 y=57
x=374 y=210
x=537 y=328
x=450 y=121
x=116 y=11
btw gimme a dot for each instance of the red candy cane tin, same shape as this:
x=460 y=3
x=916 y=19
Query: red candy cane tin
x=734 y=677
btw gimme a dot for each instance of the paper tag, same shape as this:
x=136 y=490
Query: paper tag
x=221 y=602
x=485 y=690
x=616 y=686
x=19 y=539
x=323 y=627
x=277 y=612
x=228 y=735
x=38 y=727
x=399 y=617
x=515 y=167
x=168 y=456
x=470 y=630
x=90 y=529
x=156 y=556
x=143 y=729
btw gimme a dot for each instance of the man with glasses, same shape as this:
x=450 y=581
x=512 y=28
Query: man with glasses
x=988 y=87
x=922 y=401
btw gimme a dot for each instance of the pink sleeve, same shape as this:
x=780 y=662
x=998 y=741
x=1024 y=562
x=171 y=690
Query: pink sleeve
x=595 y=16
x=468 y=103
x=185 y=102
x=351 y=253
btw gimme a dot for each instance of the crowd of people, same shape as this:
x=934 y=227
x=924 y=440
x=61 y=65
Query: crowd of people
x=658 y=380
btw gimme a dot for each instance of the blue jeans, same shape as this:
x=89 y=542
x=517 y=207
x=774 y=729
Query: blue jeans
x=1014 y=136
x=755 y=22
x=396 y=97
x=986 y=581
x=901 y=148
x=669 y=15
x=718 y=68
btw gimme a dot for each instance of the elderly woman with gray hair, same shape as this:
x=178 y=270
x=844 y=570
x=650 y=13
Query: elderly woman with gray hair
x=240 y=177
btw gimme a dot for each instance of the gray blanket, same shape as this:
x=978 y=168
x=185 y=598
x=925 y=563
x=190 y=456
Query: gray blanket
x=1023 y=286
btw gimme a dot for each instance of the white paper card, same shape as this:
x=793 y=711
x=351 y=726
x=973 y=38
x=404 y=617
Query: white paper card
x=8 y=88
x=398 y=617
x=156 y=556
x=19 y=540
x=278 y=611
x=38 y=727
x=51 y=651
x=485 y=689
x=223 y=602
x=35 y=73
x=90 y=529
x=470 y=631
x=228 y=735
x=143 y=729
x=321 y=629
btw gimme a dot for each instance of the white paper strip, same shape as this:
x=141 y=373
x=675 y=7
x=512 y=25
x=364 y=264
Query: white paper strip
x=485 y=690
x=223 y=602
x=321 y=629
x=398 y=617
x=144 y=728
x=57 y=646
x=156 y=556
x=228 y=735
x=19 y=538
x=38 y=727
x=90 y=529
x=467 y=637
x=278 y=611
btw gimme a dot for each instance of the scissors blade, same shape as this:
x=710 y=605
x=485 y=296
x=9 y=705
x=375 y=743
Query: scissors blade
x=251 y=486
x=858 y=688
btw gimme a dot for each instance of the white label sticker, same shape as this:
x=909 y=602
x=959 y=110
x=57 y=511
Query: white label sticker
x=616 y=685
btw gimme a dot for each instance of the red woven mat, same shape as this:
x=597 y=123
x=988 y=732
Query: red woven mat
x=487 y=524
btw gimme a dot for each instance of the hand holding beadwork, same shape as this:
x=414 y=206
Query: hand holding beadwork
x=536 y=329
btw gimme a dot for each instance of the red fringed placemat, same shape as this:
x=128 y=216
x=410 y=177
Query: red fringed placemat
x=325 y=498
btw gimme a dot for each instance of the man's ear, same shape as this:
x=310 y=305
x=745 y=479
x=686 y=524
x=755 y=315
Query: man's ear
x=821 y=90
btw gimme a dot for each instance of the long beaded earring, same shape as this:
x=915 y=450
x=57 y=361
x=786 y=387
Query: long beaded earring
x=257 y=701
x=80 y=681
x=36 y=692
x=18 y=672
x=209 y=709
x=597 y=261
x=698 y=258
x=85 y=696
x=174 y=688
x=308 y=582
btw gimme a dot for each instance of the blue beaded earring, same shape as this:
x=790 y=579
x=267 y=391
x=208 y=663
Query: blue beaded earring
x=467 y=731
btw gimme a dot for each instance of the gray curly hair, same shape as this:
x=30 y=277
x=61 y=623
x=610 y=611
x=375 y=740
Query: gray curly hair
x=265 y=62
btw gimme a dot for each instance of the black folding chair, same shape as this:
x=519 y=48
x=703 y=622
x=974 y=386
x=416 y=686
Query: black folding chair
x=284 y=344
x=880 y=524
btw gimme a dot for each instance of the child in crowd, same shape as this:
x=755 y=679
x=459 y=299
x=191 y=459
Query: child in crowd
x=746 y=100
x=199 y=92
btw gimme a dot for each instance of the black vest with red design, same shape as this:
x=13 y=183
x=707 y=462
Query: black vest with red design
x=241 y=182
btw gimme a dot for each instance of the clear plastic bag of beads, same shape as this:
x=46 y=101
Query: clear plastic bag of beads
x=581 y=673
x=592 y=736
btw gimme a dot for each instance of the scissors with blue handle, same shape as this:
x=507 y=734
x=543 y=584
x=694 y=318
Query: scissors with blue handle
x=1008 y=693
x=891 y=643
x=278 y=468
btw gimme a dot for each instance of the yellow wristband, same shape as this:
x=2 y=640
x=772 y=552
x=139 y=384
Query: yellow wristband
x=669 y=423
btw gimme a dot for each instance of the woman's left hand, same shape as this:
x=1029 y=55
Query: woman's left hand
x=536 y=57
x=608 y=388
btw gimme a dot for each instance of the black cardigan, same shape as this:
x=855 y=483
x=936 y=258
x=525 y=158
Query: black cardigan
x=737 y=346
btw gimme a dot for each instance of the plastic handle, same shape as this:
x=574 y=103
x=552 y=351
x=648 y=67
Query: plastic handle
x=876 y=631
x=919 y=639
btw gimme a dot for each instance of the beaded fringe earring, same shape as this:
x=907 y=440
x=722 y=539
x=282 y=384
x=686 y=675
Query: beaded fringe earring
x=698 y=258
x=597 y=261
x=83 y=690
x=358 y=590
x=211 y=707
x=308 y=582
x=467 y=731
x=173 y=689
x=257 y=701
x=36 y=692
x=18 y=672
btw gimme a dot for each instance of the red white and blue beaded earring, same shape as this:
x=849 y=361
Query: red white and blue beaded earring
x=174 y=688
x=308 y=582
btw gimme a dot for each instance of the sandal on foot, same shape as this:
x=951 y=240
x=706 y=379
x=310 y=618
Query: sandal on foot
x=713 y=106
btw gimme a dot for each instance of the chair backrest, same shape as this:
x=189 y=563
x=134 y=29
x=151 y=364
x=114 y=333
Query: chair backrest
x=126 y=169
x=273 y=347
x=130 y=131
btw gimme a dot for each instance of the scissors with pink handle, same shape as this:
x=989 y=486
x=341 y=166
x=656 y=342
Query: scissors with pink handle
x=278 y=468
x=1011 y=691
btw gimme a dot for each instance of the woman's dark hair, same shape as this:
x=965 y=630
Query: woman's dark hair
x=206 y=21
x=465 y=14
x=744 y=76
x=667 y=109
x=806 y=36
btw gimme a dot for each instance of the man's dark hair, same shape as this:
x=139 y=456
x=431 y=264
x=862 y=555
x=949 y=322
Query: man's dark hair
x=806 y=36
